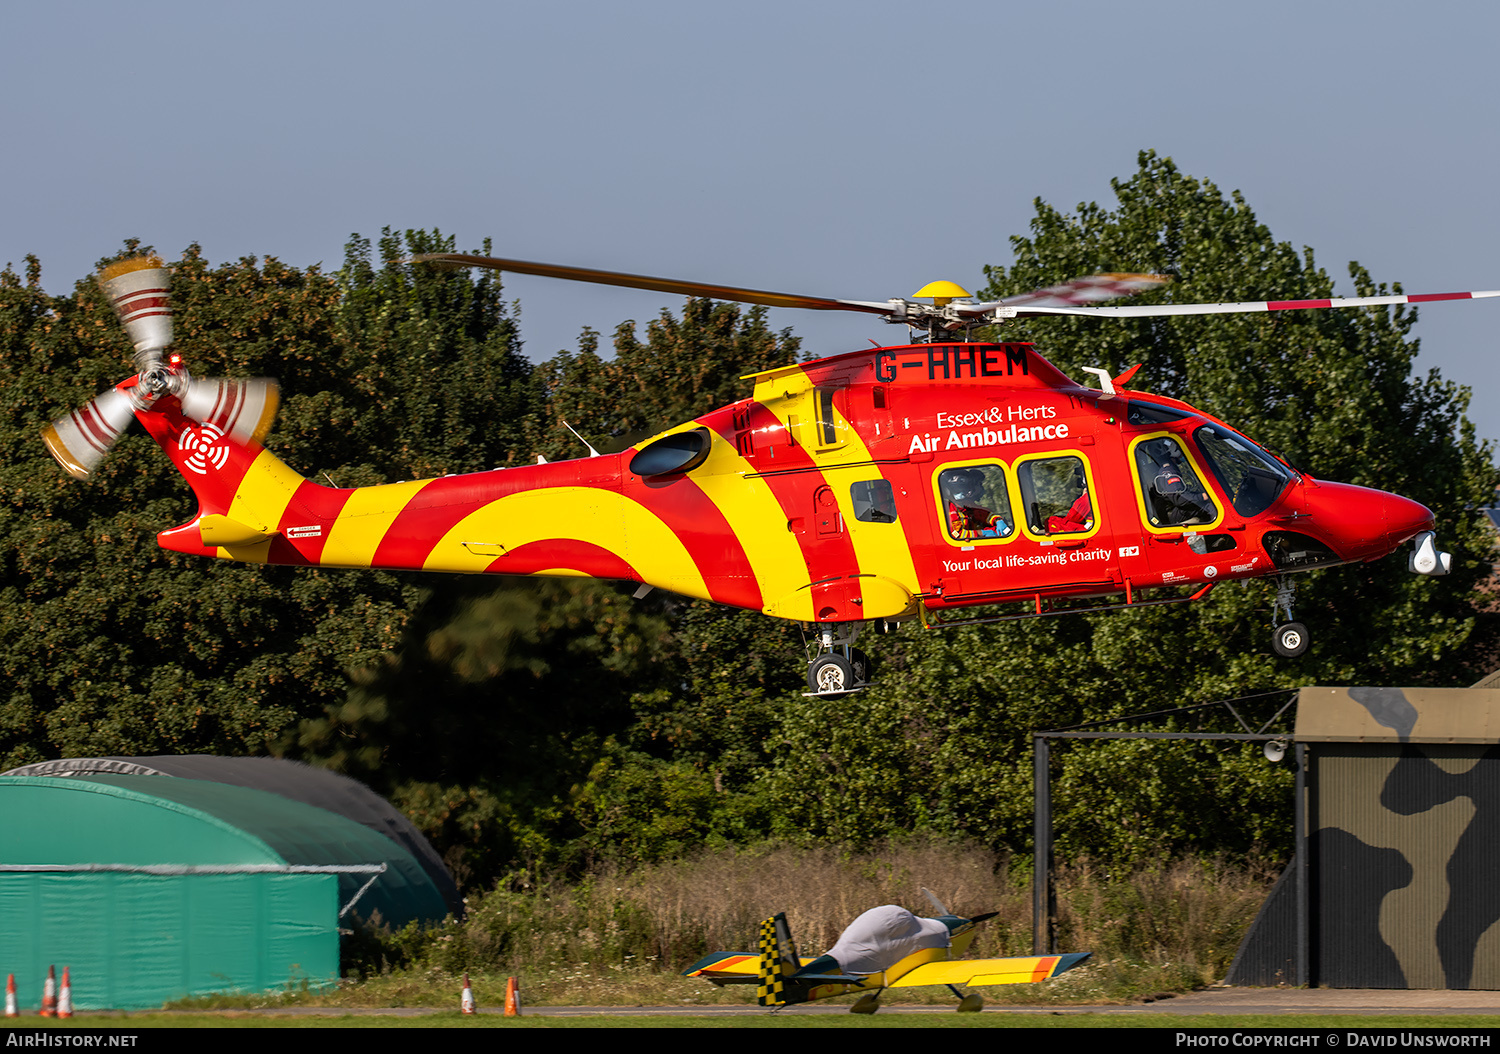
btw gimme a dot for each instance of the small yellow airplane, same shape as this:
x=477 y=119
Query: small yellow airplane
x=886 y=947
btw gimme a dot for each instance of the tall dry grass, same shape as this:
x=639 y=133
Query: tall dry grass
x=1181 y=919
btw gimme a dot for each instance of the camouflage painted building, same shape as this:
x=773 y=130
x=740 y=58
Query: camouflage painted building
x=1395 y=884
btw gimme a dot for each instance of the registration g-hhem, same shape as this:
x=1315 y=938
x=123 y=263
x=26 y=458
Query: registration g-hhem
x=864 y=489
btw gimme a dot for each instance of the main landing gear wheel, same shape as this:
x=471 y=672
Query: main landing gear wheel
x=859 y=665
x=866 y=1004
x=830 y=675
x=1290 y=640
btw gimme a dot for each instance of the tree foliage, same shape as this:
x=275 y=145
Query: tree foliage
x=113 y=646
x=685 y=367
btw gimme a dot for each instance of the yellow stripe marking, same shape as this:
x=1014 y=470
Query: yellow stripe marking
x=585 y=514
x=881 y=548
x=259 y=503
x=758 y=521
x=364 y=521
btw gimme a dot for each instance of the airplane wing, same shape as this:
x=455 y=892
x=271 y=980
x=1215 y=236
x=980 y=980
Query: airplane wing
x=974 y=972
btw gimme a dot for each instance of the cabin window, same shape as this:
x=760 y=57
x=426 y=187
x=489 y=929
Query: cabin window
x=829 y=432
x=1252 y=478
x=1173 y=494
x=975 y=502
x=873 y=500
x=1055 y=491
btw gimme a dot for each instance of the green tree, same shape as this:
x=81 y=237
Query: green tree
x=113 y=646
x=686 y=366
x=434 y=362
x=546 y=724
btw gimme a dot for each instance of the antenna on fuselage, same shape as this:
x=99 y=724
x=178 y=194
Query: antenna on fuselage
x=585 y=442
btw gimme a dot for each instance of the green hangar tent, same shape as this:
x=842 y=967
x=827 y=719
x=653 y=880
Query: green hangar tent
x=154 y=888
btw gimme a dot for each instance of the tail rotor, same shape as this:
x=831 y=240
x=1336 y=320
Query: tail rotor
x=138 y=289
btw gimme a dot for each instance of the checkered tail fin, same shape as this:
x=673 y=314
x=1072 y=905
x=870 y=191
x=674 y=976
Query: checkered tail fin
x=778 y=962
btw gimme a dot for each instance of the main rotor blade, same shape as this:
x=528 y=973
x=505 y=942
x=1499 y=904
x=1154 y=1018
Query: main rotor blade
x=1076 y=292
x=1147 y=310
x=659 y=285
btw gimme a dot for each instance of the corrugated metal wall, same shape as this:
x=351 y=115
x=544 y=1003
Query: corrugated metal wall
x=135 y=940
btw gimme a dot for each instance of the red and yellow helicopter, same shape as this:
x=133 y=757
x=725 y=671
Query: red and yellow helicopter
x=875 y=486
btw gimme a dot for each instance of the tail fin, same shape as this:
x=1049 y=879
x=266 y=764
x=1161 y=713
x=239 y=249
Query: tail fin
x=778 y=962
x=244 y=491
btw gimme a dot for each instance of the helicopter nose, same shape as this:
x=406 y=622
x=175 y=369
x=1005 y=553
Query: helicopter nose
x=1405 y=519
x=1366 y=524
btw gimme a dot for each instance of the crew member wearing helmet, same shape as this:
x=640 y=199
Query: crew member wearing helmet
x=968 y=517
x=1080 y=515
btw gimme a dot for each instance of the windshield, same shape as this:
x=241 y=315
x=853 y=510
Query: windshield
x=1252 y=478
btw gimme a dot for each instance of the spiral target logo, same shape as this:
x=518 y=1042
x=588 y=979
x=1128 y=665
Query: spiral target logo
x=203 y=448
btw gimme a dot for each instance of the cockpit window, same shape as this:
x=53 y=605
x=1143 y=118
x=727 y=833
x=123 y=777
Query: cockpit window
x=1252 y=478
x=1055 y=493
x=1171 y=490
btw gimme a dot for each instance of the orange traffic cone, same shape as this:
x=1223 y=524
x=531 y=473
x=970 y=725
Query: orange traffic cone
x=65 y=997
x=49 y=993
x=11 y=1010
x=512 y=998
x=466 y=999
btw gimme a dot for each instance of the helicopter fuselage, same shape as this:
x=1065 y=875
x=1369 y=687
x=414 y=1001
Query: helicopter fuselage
x=864 y=486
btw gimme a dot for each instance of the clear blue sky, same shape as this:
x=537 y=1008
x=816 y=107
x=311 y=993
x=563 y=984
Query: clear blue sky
x=852 y=150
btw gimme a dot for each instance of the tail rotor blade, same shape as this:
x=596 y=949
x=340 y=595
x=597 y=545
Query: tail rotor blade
x=138 y=289
x=241 y=410
x=80 y=440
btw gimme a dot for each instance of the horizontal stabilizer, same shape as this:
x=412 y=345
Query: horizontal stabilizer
x=231 y=534
x=726 y=968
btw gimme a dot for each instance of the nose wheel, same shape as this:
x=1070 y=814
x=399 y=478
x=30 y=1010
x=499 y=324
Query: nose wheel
x=1289 y=639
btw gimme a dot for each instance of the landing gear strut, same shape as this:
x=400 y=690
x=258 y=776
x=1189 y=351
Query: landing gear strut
x=1288 y=639
x=835 y=665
